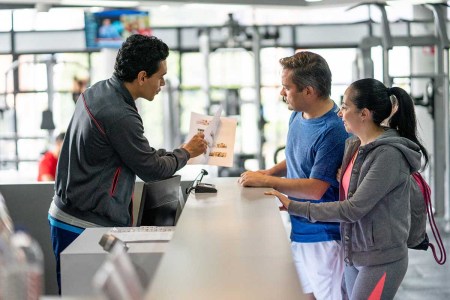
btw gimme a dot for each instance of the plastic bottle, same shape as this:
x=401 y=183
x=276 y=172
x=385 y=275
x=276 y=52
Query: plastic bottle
x=21 y=262
x=6 y=225
x=21 y=268
x=6 y=256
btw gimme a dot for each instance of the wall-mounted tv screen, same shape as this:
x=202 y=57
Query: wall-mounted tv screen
x=108 y=29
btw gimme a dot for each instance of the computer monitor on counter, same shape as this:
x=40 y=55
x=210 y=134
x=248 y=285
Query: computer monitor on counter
x=161 y=203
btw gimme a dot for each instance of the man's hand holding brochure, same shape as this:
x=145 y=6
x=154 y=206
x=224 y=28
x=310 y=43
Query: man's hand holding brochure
x=220 y=135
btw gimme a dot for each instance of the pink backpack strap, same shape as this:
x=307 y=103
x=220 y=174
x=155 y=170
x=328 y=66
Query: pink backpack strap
x=426 y=191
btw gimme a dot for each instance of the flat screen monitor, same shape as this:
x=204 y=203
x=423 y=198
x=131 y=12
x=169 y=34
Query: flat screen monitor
x=110 y=28
x=161 y=203
x=185 y=185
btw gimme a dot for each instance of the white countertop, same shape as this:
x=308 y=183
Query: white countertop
x=229 y=245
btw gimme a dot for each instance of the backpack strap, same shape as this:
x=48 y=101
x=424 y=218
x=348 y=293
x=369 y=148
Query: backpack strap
x=426 y=191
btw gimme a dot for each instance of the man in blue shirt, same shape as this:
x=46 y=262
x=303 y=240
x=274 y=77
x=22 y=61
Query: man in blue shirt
x=314 y=151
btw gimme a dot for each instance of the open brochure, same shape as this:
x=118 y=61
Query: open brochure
x=220 y=134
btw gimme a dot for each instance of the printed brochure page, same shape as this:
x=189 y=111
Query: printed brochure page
x=220 y=133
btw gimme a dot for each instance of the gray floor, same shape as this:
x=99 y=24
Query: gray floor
x=425 y=278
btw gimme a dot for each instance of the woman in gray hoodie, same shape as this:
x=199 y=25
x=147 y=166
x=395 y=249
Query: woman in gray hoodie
x=375 y=183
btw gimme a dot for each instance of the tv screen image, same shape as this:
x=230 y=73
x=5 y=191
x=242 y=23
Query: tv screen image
x=108 y=29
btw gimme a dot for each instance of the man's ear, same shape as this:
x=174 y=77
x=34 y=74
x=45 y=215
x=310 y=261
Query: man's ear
x=310 y=90
x=141 y=77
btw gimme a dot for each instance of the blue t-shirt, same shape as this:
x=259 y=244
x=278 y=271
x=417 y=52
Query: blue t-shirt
x=314 y=149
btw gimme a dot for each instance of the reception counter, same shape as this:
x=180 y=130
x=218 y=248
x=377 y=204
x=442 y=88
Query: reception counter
x=81 y=260
x=229 y=245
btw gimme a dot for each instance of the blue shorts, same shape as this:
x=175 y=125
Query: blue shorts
x=62 y=235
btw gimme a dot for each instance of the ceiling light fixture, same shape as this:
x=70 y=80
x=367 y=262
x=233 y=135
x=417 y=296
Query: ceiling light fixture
x=101 y=3
x=164 y=7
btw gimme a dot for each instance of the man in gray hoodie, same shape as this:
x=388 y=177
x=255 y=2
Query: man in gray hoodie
x=105 y=147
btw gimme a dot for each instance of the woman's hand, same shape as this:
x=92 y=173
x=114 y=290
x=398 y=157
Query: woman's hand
x=283 y=199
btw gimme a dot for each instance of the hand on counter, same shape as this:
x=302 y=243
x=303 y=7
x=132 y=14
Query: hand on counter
x=283 y=199
x=255 y=179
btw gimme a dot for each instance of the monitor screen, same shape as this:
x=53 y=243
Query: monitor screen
x=108 y=29
x=161 y=203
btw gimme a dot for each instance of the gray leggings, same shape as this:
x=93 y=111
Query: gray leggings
x=361 y=282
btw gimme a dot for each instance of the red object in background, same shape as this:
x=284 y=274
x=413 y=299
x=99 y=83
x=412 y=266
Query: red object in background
x=429 y=50
x=47 y=165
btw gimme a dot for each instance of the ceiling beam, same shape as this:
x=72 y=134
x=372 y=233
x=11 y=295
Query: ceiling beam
x=11 y=4
x=61 y=3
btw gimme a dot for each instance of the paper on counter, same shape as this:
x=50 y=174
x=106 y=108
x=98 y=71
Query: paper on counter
x=142 y=234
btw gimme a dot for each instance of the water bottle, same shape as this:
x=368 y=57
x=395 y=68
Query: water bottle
x=6 y=253
x=21 y=262
x=5 y=256
x=6 y=225
x=26 y=276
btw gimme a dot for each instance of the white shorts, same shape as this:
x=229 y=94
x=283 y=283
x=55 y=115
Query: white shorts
x=320 y=267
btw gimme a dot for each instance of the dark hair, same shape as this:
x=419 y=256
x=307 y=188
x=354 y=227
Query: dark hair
x=375 y=96
x=309 y=69
x=139 y=53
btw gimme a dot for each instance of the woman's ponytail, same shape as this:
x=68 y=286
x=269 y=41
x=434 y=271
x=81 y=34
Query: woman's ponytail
x=404 y=119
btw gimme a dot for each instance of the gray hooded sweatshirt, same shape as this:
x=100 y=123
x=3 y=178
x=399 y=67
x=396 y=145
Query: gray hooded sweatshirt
x=375 y=219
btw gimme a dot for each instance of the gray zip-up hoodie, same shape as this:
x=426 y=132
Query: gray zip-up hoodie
x=375 y=219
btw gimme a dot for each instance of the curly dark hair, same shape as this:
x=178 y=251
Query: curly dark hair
x=139 y=53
